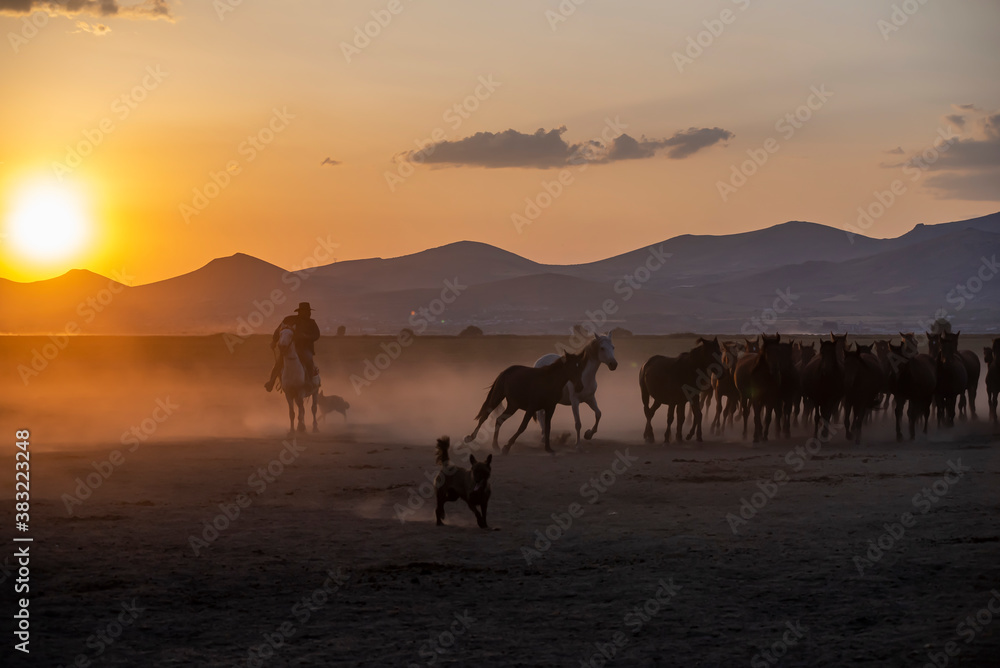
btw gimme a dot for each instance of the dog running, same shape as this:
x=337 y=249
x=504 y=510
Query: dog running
x=454 y=483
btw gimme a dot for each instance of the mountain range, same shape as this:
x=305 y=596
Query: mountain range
x=814 y=277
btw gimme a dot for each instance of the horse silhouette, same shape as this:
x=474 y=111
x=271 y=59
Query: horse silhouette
x=294 y=382
x=913 y=380
x=531 y=390
x=674 y=381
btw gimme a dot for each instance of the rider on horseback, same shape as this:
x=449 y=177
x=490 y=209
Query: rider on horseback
x=306 y=333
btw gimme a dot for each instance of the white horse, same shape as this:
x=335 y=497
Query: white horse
x=599 y=351
x=294 y=383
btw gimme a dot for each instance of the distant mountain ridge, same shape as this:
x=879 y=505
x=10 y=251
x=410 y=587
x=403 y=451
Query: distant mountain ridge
x=706 y=283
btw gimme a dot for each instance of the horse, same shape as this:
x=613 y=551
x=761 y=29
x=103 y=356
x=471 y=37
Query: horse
x=992 y=358
x=294 y=382
x=724 y=385
x=599 y=351
x=674 y=381
x=801 y=356
x=531 y=390
x=952 y=379
x=823 y=384
x=863 y=382
x=758 y=378
x=970 y=361
x=913 y=379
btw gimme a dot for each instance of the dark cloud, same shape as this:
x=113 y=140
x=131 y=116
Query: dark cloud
x=146 y=9
x=896 y=151
x=956 y=119
x=969 y=168
x=330 y=161
x=546 y=149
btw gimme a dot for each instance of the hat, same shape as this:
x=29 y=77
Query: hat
x=304 y=306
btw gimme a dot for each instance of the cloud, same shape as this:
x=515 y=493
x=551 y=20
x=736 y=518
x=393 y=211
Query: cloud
x=969 y=167
x=896 y=151
x=145 y=9
x=330 y=161
x=956 y=119
x=545 y=149
x=98 y=29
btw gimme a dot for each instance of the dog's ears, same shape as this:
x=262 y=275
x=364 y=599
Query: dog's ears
x=472 y=459
x=489 y=458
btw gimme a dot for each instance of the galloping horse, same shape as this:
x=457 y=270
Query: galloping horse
x=599 y=351
x=531 y=390
x=294 y=383
x=673 y=381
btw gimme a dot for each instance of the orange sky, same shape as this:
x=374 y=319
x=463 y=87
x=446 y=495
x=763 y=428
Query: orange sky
x=182 y=88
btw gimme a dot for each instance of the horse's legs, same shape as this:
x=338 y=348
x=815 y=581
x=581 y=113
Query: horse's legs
x=507 y=412
x=540 y=417
x=592 y=402
x=670 y=422
x=549 y=410
x=680 y=422
x=745 y=410
x=695 y=421
x=898 y=411
x=291 y=414
x=647 y=435
x=574 y=403
x=758 y=428
x=315 y=424
x=972 y=402
x=716 y=422
x=524 y=424
x=300 y=402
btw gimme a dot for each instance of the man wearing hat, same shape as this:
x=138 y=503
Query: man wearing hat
x=306 y=334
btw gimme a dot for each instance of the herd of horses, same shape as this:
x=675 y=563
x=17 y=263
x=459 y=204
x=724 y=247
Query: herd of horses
x=774 y=380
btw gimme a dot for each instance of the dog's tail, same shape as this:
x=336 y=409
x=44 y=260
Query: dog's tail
x=442 y=451
x=493 y=398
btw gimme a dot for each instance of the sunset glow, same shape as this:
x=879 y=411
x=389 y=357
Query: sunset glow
x=48 y=224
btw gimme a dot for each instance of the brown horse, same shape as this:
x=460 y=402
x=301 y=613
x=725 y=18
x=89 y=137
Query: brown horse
x=801 y=356
x=531 y=390
x=952 y=379
x=992 y=358
x=863 y=382
x=675 y=381
x=913 y=379
x=823 y=385
x=973 y=369
x=758 y=378
x=724 y=385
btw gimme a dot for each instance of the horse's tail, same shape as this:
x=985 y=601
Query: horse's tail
x=493 y=398
x=442 y=451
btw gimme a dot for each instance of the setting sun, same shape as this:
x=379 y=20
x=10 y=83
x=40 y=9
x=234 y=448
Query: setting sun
x=48 y=223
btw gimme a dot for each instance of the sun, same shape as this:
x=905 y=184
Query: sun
x=48 y=223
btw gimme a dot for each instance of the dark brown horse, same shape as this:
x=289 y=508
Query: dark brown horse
x=758 y=378
x=823 y=385
x=531 y=390
x=952 y=379
x=992 y=358
x=802 y=355
x=863 y=383
x=724 y=386
x=676 y=381
x=913 y=379
x=973 y=369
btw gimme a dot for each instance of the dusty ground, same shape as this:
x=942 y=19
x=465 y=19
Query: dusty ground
x=319 y=563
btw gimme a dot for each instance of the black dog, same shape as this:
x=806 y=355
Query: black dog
x=454 y=483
